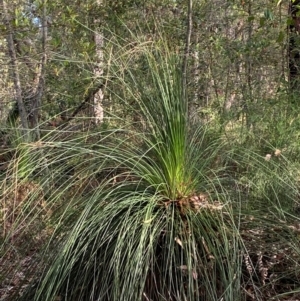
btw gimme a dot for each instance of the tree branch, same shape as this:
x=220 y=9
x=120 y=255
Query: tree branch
x=89 y=98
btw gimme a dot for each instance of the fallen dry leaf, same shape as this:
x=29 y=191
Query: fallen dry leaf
x=179 y=242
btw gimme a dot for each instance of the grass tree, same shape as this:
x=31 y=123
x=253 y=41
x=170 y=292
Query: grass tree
x=161 y=233
x=160 y=224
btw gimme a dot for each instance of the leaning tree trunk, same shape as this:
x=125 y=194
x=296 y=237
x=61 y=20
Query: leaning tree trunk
x=294 y=43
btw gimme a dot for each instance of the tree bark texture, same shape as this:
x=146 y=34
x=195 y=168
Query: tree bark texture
x=98 y=69
x=294 y=45
x=40 y=77
x=187 y=42
x=15 y=68
x=187 y=51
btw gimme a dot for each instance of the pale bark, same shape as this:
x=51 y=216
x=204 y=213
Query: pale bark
x=98 y=70
x=196 y=83
x=187 y=43
x=38 y=87
x=15 y=69
x=186 y=56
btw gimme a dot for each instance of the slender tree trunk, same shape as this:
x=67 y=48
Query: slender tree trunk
x=15 y=69
x=40 y=78
x=195 y=101
x=247 y=95
x=187 y=50
x=294 y=39
x=98 y=69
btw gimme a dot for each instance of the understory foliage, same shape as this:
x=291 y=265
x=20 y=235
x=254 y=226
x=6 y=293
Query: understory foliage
x=163 y=208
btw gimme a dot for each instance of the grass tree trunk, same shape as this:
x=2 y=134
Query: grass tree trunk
x=294 y=53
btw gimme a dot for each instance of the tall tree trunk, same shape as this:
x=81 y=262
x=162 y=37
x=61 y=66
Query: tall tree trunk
x=15 y=69
x=195 y=99
x=294 y=43
x=38 y=87
x=248 y=99
x=98 y=69
x=187 y=48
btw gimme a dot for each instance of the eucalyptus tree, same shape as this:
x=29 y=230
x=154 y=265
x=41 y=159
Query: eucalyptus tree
x=24 y=37
x=14 y=64
x=98 y=69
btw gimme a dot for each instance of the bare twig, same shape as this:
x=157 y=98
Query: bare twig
x=87 y=99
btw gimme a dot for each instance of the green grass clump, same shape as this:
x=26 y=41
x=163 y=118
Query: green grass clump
x=156 y=229
x=161 y=209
